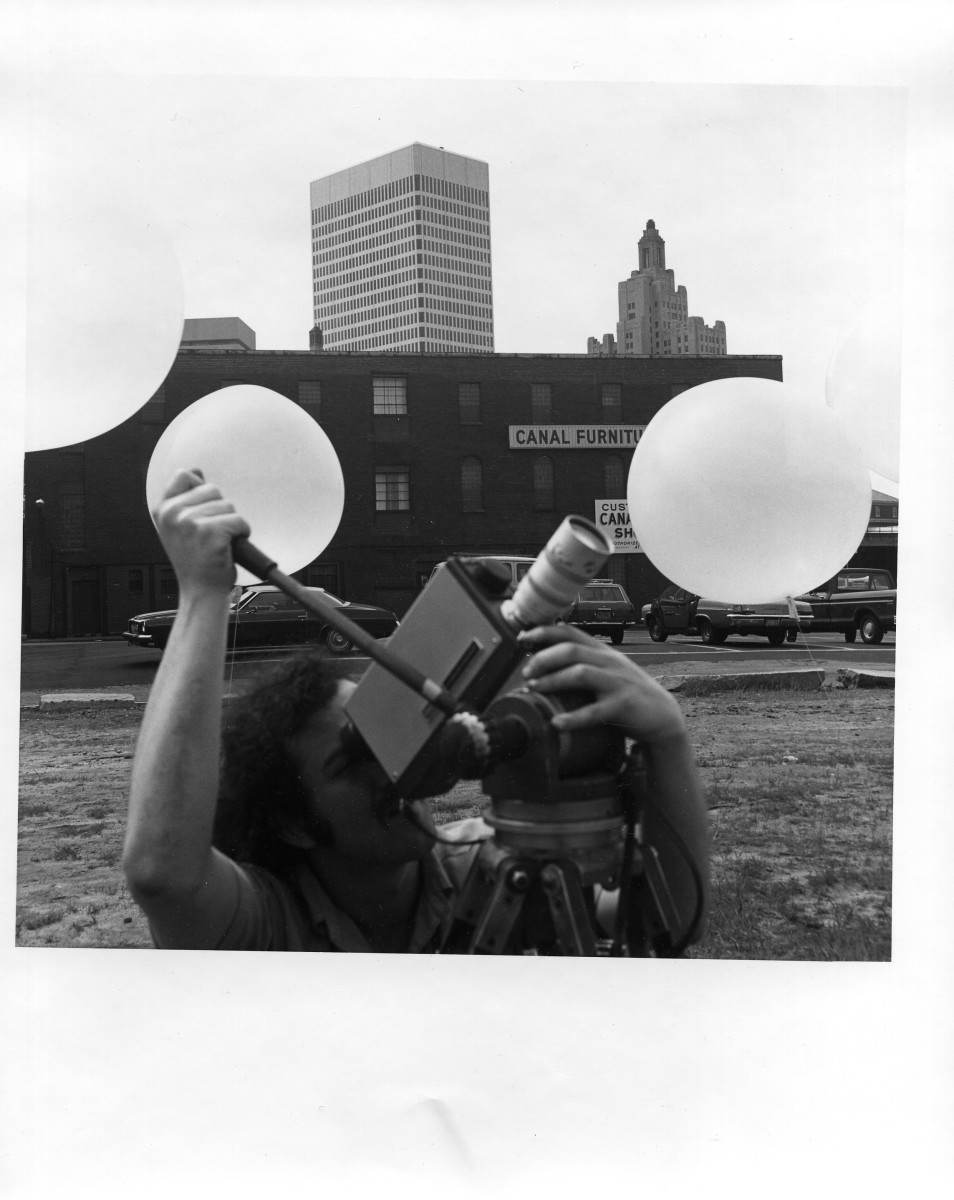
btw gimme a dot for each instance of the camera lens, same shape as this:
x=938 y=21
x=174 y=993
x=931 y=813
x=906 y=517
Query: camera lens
x=570 y=559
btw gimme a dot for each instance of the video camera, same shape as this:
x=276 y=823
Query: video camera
x=462 y=631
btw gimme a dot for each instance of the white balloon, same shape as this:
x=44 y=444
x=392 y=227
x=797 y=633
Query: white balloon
x=104 y=305
x=743 y=491
x=863 y=386
x=269 y=458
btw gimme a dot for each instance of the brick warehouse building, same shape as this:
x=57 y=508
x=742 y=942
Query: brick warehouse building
x=440 y=454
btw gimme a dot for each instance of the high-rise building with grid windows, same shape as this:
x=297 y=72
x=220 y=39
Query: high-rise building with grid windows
x=400 y=254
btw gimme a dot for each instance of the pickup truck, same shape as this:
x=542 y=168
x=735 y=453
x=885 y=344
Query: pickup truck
x=859 y=600
x=677 y=611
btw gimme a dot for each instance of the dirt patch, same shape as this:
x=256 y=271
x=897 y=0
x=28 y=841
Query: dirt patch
x=74 y=784
x=798 y=784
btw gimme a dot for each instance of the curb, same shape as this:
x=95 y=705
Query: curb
x=702 y=684
x=766 y=681
x=67 y=701
x=850 y=677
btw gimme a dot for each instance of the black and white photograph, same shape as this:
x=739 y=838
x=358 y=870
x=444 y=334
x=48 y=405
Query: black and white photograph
x=458 y=514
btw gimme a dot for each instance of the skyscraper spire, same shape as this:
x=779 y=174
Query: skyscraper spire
x=652 y=248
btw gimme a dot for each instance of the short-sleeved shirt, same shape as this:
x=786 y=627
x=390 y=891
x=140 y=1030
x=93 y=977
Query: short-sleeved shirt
x=298 y=914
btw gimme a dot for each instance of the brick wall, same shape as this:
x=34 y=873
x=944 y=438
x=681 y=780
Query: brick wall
x=380 y=557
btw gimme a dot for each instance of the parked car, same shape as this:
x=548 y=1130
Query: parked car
x=517 y=564
x=677 y=611
x=263 y=615
x=858 y=600
x=602 y=608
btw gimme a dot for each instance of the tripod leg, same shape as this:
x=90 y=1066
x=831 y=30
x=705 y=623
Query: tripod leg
x=571 y=919
x=495 y=925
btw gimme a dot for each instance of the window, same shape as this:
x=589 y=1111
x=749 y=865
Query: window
x=614 y=478
x=543 y=484
x=309 y=396
x=612 y=400
x=390 y=395
x=541 y=403
x=72 y=516
x=472 y=485
x=392 y=489
x=166 y=585
x=468 y=398
x=134 y=582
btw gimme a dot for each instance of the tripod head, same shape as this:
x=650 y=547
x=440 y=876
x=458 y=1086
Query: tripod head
x=552 y=794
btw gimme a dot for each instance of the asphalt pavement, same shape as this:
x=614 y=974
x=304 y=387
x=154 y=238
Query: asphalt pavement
x=106 y=671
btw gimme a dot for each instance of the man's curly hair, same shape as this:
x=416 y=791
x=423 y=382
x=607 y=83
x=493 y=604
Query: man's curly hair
x=260 y=790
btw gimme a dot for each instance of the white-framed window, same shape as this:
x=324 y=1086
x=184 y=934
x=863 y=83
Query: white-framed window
x=611 y=401
x=392 y=489
x=390 y=395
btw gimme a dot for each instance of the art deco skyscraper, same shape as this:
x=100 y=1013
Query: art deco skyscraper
x=401 y=254
x=654 y=314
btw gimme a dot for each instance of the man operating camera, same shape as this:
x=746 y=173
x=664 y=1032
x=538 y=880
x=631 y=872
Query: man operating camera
x=272 y=835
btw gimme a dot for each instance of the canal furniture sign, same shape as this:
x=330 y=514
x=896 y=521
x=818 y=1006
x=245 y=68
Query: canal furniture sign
x=575 y=437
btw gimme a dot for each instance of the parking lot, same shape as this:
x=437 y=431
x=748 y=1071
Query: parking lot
x=83 y=663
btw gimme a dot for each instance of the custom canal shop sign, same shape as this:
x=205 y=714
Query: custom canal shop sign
x=612 y=517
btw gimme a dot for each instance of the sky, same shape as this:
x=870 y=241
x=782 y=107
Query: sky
x=793 y=158
x=781 y=206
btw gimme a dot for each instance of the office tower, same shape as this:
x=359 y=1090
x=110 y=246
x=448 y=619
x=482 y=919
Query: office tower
x=401 y=254
x=654 y=313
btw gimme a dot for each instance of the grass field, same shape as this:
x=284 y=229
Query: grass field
x=798 y=786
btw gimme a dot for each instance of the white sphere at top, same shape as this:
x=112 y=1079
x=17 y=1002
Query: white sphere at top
x=268 y=457
x=745 y=491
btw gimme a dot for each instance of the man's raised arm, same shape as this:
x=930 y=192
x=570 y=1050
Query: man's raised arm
x=186 y=889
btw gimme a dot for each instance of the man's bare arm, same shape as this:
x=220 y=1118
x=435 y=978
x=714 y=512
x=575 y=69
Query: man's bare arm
x=186 y=888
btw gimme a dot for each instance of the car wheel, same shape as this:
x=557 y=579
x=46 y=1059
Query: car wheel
x=710 y=636
x=337 y=643
x=656 y=631
x=850 y=635
x=776 y=637
x=871 y=630
x=616 y=637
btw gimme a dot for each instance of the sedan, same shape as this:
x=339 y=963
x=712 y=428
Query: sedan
x=264 y=615
x=677 y=611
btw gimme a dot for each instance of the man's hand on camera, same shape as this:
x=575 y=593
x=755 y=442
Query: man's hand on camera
x=196 y=527
x=566 y=658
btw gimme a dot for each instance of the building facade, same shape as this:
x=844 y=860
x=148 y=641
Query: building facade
x=654 y=314
x=441 y=453
x=401 y=254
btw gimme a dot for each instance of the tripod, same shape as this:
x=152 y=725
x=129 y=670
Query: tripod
x=565 y=876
